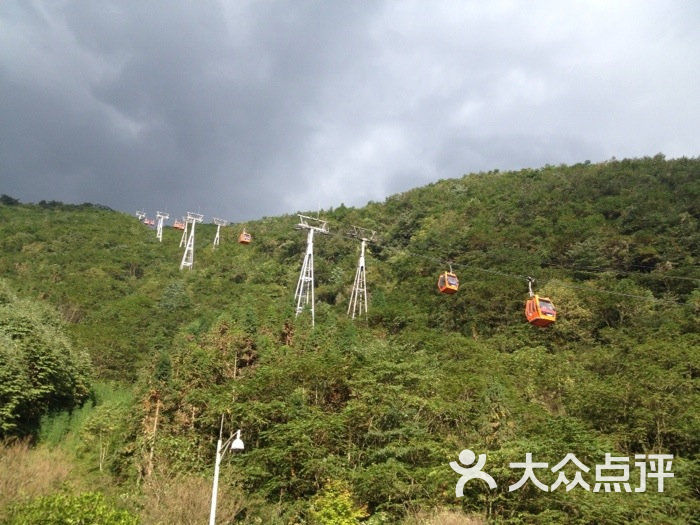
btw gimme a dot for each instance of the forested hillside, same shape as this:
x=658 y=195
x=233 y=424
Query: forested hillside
x=361 y=418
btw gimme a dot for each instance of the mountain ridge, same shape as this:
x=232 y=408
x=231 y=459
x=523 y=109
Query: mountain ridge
x=382 y=405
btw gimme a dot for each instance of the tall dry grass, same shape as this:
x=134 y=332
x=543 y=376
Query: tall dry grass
x=185 y=500
x=443 y=517
x=27 y=472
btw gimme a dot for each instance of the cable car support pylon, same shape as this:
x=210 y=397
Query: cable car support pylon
x=188 y=256
x=219 y=223
x=183 y=239
x=358 y=295
x=304 y=294
x=159 y=227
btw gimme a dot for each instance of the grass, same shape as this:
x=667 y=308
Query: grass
x=443 y=517
x=186 y=500
x=65 y=428
x=27 y=472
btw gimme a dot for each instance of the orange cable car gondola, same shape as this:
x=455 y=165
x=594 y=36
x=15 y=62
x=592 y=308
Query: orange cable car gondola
x=179 y=225
x=448 y=282
x=245 y=237
x=539 y=310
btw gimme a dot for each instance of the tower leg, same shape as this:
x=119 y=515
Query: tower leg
x=358 y=296
x=364 y=289
x=216 y=239
x=353 y=294
x=183 y=239
x=188 y=256
x=311 y=286
x=305 y=286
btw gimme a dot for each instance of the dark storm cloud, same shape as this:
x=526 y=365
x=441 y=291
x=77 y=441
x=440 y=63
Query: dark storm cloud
x=247 y=109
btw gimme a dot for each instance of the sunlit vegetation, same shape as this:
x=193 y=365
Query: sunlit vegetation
x=357 y=421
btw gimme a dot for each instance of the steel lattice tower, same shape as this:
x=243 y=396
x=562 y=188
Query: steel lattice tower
x=219 y=223
x=304 y=294
x=188 y=256
x=159 y=227
x=358 y=295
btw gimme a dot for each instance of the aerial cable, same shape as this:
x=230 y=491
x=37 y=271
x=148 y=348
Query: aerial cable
x=525 y=277
x=442 y=262
x=591 y=271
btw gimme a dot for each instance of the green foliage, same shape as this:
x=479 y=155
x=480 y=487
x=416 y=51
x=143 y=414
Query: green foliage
x=39 y=369
x=63 y=509
x=334 y=505
x=386 y=402
x=93 y=432
x=8 y=201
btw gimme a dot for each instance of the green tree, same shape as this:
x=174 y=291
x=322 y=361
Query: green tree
x=8 y=201
x=334 y=505
x=40 y=371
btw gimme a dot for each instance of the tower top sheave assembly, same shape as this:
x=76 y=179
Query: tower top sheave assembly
x=219 y=223
x=140 y=214
x=363 y=234
x=358 y=295
x=311 y=223
x=304 y=294
x=188 y=257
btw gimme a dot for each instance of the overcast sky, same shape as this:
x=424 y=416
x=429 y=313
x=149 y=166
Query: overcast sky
x=242 y=109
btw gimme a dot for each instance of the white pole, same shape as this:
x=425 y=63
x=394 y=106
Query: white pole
x=216 y=239
x=311 y=263
x=364 y=276
x=215 y=488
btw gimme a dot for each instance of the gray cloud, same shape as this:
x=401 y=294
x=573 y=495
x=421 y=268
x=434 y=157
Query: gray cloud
x=245 y=109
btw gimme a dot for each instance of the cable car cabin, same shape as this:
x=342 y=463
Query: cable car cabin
x=448 y=283
x=540 y=311
x=245 y=237
x=179 y=225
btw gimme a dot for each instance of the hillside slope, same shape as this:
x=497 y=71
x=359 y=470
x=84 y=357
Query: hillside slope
x=383 y=405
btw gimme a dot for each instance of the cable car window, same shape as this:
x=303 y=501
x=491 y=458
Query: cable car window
x=547 y=308
x=441 y=281
x=452 y=280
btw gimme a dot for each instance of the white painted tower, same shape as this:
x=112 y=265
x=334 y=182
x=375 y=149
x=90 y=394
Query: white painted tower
x=159 y=227
x=358 y=295
x=219 y=223
x=304 y=294
x=188 y=256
